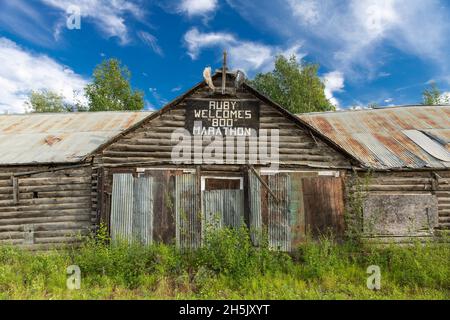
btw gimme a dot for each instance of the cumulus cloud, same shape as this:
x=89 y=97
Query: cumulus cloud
x=108 y=16
x=26 y=71
x=334 y=82
x=246 y=55
x=197 y=7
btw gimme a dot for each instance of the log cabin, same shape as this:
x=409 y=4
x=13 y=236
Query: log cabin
x=223 y=154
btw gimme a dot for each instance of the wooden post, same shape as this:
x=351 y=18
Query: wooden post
x=224 y=72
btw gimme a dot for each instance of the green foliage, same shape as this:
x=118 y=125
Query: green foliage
x=230 y=252
x=358 y=190
x=110 y=89
x=433 y=96
x=295 y=86
x=46 y=101
x=228 y=267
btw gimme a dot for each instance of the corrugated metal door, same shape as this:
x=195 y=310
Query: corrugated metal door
x=132 y=208
x=279 y=228
x=256 y=224
x=122 y=207
x=223 y=208
x=143 y=210
x=187 y=212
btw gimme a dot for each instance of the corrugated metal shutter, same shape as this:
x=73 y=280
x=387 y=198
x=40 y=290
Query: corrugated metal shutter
x=187 y=212
x=132 y=208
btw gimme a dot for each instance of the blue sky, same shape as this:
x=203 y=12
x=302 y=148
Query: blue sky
x=382 y=51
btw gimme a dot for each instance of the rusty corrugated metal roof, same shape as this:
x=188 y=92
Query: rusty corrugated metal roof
x=59 y=137
x=377 y=137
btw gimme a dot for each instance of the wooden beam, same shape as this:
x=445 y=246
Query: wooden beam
x=264 y=184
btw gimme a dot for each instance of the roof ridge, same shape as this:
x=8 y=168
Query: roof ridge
x=371 y=109
x=74 y=113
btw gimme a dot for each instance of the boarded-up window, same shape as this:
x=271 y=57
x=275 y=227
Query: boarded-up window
x=400 y=215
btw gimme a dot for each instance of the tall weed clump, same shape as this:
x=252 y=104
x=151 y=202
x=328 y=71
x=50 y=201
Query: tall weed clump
x=124 y=262
x=231 y=253
x=419 y=264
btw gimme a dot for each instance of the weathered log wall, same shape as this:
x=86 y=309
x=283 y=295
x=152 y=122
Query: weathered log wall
x=41 y=209
x=152 y=141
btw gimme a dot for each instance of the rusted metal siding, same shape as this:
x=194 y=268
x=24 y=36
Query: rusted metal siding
x=378 y=137
x=324 y=205
x=188 y=213
x=297 y=210
x=284 y=218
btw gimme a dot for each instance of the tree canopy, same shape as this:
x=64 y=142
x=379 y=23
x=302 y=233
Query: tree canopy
x=295 y=86
x=46 y=101
x=433 y=96
x=110 y=89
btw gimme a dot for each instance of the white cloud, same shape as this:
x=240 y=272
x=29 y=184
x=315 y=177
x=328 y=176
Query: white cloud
x=26 y=71
x=196 y=41
x=306 y=10
x=23 y=19
x=151 y=41
x=334 y=82
x=108 y=16
x=197 y=7
x=248 y=56
x=445 y=98
x=356 y=36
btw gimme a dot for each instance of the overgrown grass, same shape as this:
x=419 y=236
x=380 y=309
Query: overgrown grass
x=228 y=267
